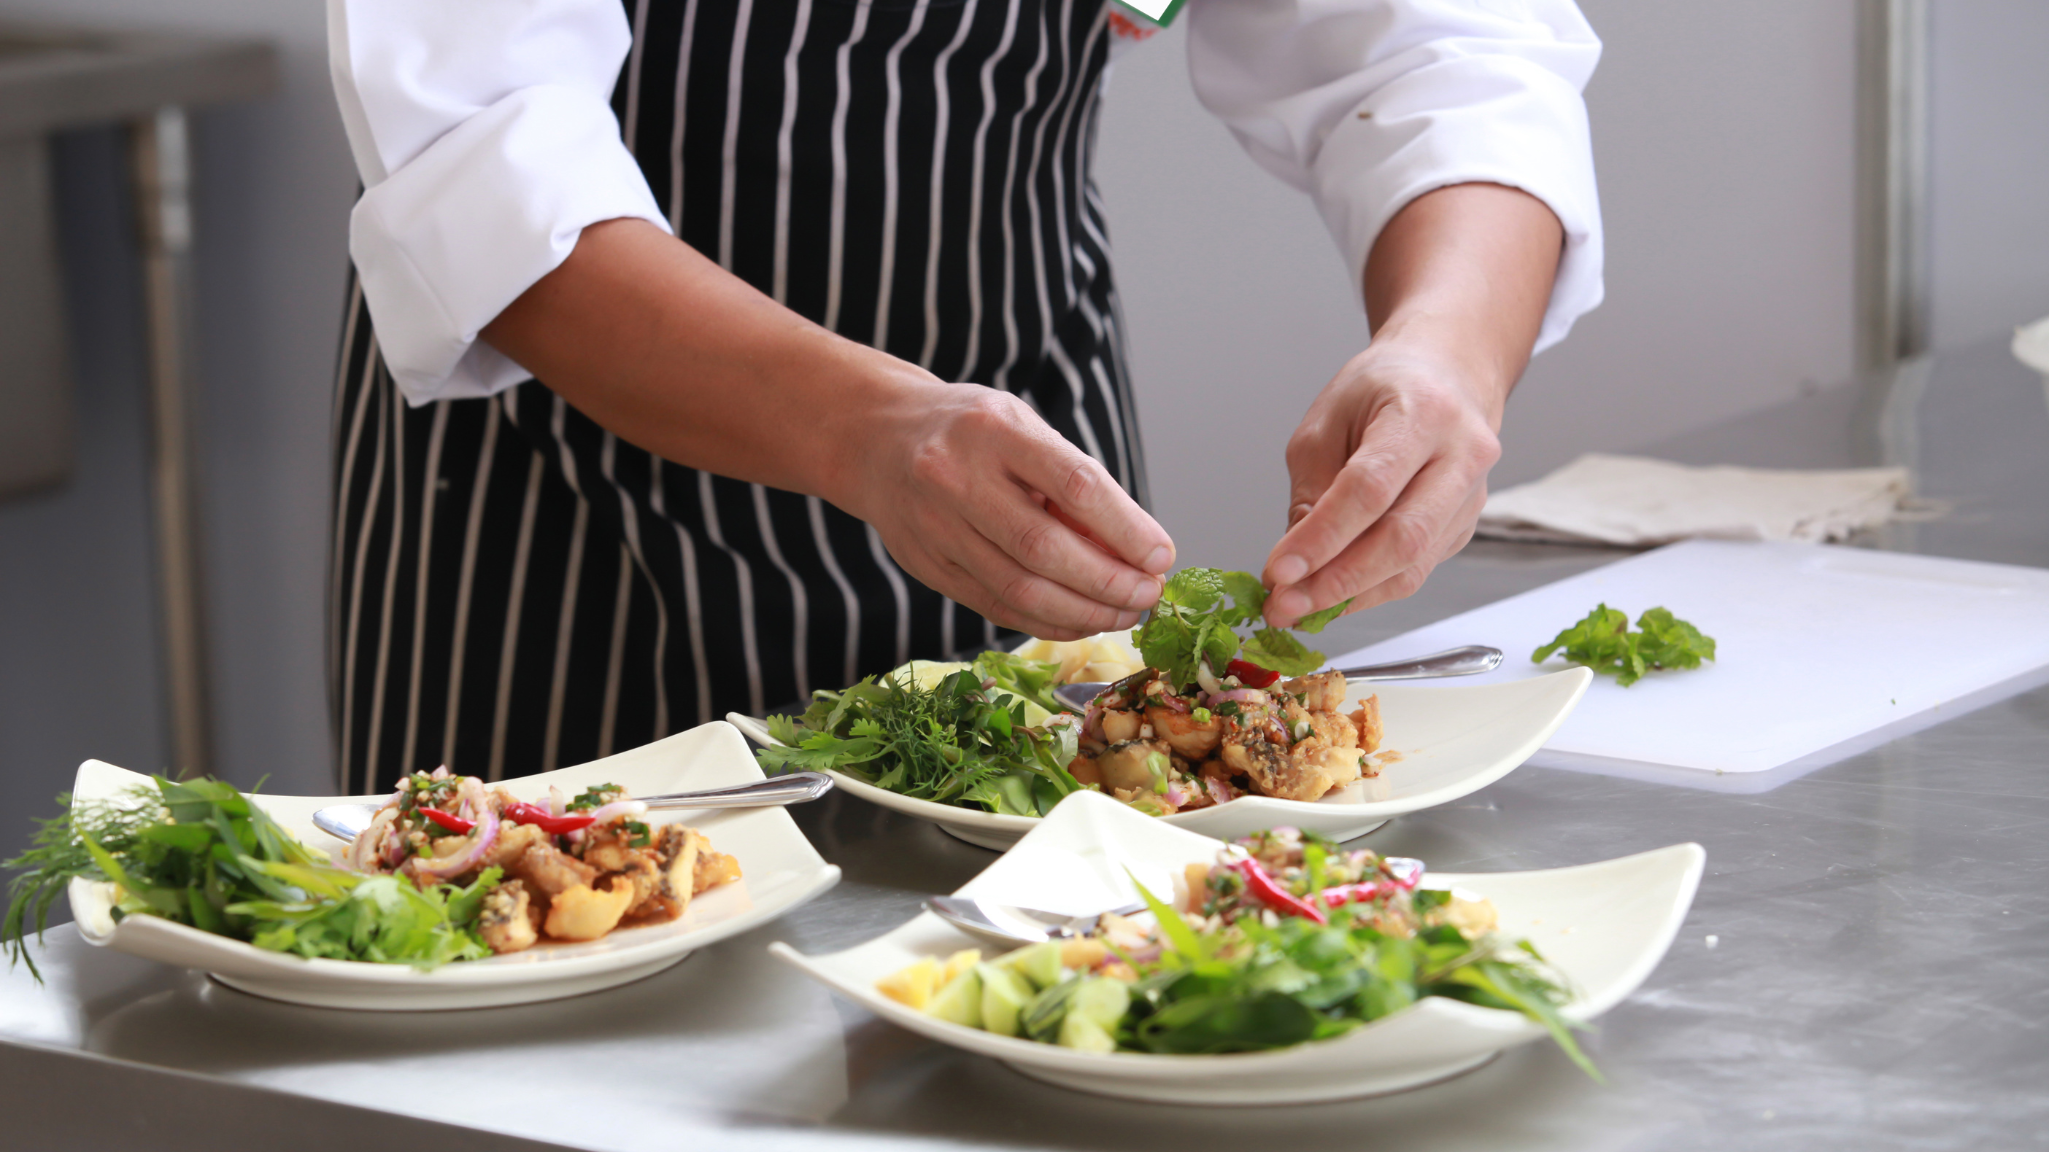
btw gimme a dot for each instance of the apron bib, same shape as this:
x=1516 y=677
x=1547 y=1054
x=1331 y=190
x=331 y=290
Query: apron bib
x=514 y=589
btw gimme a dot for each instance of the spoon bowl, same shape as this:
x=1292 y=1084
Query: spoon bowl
x=347 y=821
x=1010 y=926
x=1467 y=661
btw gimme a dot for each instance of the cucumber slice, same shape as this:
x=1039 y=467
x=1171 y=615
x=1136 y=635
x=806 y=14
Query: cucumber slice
x=1038 y=963
x=1101 y=999
x=960 y=1001
x=1084 y=1034
x=1004 y=996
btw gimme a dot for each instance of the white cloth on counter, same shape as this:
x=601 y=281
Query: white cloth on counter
x=2031 y=346
x=485 y=140
x=1634 y=500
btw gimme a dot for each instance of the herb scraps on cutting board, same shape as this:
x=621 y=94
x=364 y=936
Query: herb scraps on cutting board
x=1603 y=641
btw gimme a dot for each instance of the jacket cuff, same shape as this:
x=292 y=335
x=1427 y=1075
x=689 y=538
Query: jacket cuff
x=454 y=236
x=1522 y=125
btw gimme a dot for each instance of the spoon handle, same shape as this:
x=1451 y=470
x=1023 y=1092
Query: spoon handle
x=1466 y=661
x=774 y=792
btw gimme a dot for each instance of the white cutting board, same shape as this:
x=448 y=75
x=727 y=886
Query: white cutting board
x=1818 y=645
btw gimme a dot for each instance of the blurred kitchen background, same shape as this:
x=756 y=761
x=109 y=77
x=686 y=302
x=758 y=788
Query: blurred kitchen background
x=1727 y=136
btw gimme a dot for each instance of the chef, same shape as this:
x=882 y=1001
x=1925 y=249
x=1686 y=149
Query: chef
x=701 y=353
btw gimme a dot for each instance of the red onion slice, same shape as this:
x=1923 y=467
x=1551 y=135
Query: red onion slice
x=447 y=867
x=616 y=809
x=1251 y=696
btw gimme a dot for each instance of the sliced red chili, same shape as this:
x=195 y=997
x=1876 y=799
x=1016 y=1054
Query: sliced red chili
x=1350 y=894
x=1249 y=674
x=1401 y=875
x=547 y=821
x=454 y=824
x=1267 y=891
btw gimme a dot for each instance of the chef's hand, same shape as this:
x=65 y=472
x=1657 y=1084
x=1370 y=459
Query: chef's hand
x=1387 y=475
x=978 y=497
x=969 y=489
x=1388 y=471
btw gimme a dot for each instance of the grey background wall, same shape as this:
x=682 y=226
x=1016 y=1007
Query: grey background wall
x=79 y=670
x=1989 y=168
x=1723 y=134
x=1723 y=137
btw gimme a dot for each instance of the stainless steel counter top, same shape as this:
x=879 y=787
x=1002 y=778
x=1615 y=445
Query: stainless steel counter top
x=1864 y=965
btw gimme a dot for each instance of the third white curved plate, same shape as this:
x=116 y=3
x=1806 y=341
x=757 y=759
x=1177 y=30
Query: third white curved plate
x=1452 y=740
x=1605 y=926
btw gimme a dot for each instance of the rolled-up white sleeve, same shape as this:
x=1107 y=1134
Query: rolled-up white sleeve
x=484 y=135
x=1368 y=104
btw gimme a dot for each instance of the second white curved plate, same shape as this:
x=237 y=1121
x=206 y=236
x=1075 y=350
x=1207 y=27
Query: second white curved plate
x=1450 y=740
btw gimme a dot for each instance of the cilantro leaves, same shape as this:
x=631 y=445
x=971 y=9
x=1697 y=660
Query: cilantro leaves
x=1604 y=643
x=1193 y=620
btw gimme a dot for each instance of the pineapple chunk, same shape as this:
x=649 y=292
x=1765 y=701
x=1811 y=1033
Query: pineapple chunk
x=913 y=986
x=958 y=963
x=1084 y=954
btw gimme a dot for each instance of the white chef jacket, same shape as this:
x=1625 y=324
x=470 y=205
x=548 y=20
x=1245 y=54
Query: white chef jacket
x=484 y=136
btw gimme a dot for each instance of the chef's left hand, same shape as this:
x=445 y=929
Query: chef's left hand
x=1387 y=476
x=1388 y=471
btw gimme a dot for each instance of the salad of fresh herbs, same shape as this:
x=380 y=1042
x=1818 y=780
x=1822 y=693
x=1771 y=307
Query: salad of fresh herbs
x=963 y=740
x=200 y=853
x=1604 y=643
x=1287 y=938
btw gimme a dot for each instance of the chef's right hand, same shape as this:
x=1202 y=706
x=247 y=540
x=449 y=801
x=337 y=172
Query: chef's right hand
x=978 y=497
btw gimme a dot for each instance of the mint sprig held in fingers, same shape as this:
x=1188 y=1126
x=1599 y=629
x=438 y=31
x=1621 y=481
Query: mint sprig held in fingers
x=1604 y=643
x=1197 y=616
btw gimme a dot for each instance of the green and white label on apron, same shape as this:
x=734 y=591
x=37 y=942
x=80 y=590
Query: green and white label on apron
x=1152 y=13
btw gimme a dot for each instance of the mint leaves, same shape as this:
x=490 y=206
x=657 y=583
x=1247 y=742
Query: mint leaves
x=1604 y=643
x=1197 y=615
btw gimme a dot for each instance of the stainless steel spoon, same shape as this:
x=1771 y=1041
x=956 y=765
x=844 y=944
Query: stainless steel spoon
x=1466 y=661
x=347 y=821
x=1007 y=925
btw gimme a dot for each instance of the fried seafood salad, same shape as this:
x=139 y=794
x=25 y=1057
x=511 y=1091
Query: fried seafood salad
x=1249 y=733
x=1200 y=716
x=570 y=869
x=1285 y=937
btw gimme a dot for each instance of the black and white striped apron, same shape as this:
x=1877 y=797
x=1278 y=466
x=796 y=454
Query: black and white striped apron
x=515 y=589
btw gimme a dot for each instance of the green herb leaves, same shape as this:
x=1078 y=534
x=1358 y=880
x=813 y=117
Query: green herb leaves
x=1197 y=615
x=1604 y=643
x=963 y=741
x=1253 y=985
x=201 y=853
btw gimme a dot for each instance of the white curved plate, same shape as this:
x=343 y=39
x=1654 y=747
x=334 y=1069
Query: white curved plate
x=1452 y=740
x=780 y=870
x=1605 y=926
